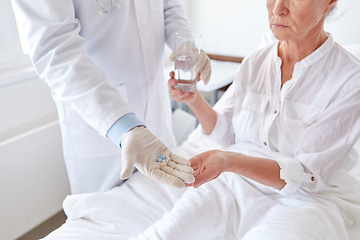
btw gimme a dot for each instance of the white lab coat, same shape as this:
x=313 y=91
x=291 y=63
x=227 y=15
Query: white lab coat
x=100 y=67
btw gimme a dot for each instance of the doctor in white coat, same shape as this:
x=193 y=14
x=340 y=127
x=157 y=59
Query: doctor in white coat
x=103 y=60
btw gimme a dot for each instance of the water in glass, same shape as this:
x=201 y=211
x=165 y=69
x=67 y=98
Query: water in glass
x=184 y=72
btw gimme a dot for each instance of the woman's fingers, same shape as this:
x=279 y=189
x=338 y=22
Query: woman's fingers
x=205 y=168
x=205 y=175
x=172 y=82
x=178 y=95
x=196 y=161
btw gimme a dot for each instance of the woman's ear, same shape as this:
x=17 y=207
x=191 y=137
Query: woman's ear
x=330 y=5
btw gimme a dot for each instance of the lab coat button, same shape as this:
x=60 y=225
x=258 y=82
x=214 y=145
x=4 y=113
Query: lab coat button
x=265 y=143
x=118 y=5
x=151 y=80
x=143 y=28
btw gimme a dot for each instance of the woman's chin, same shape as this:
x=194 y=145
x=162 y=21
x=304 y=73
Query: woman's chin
x=281 y=34
x=280 y=37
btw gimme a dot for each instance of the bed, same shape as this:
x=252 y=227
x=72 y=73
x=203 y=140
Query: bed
x=143 y=209
x=129 y=209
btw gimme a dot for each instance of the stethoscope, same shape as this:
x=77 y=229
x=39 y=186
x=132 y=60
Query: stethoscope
x=111 y=9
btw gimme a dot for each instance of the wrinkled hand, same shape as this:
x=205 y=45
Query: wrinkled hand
x=203 y=66
x=140 y=148
x=179 y=95
x=208 y=166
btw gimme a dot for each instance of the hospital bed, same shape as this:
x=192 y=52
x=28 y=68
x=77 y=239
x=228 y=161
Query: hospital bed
x=122 y=212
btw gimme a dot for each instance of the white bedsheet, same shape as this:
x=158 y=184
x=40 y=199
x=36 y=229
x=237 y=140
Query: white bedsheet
x=229 y=207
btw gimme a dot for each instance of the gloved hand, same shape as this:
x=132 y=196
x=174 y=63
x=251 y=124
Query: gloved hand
x=140 y=148
x=203 y=66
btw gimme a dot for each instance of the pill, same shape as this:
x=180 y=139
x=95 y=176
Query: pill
x=163 y=156
x=159 y=160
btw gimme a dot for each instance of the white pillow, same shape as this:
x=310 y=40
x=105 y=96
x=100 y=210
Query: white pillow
x=354 y=49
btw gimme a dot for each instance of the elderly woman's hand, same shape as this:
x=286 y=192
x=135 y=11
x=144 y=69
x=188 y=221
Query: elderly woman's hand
x=177 y=94
x=208 y=166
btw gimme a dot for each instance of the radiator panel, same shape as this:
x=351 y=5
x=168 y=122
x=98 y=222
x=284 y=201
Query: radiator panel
x=33 y=179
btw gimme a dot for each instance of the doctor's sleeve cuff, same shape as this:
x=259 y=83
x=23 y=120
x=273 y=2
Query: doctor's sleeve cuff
x=292 y=172
x=122 y=126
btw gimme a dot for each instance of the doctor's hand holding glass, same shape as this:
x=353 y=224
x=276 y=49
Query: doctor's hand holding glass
x=103 y=61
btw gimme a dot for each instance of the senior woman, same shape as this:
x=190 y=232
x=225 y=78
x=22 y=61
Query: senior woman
x=294 y=107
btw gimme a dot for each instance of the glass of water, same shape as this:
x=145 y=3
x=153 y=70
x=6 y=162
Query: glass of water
x=187 y=51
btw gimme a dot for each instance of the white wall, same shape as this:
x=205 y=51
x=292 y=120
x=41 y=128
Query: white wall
x=24 y=98
x=235 y=27
x=10 y=47
x=344 y=25
x=33 y=178
x=229 y=27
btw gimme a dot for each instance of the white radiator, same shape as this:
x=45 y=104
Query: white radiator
x=33 y=179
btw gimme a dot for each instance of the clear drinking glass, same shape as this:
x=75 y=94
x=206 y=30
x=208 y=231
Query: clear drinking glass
x=187 y=51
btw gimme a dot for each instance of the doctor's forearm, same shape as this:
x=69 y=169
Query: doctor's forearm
x=204 y=112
